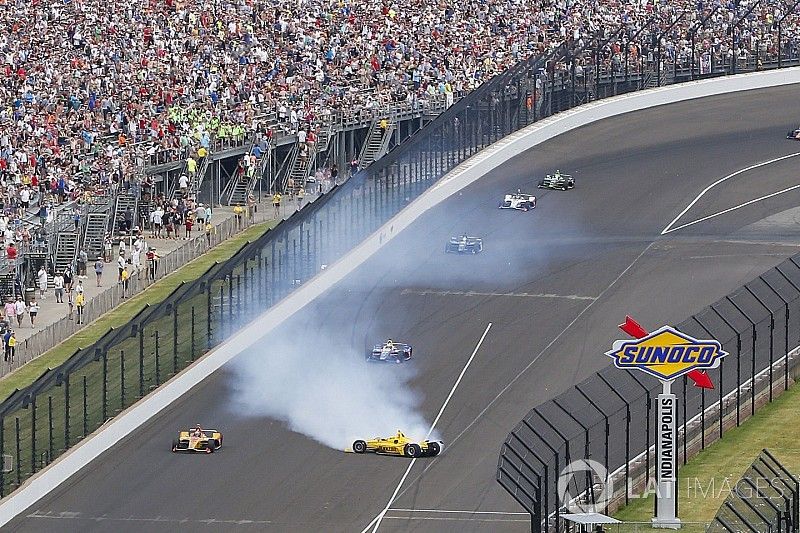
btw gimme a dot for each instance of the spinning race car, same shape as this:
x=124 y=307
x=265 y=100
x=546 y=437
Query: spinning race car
x=464 y=245
x=794 y=135
x=557 y=181
x=391 y=352
x=519 y=201
x=198 y=440
x=398 y=445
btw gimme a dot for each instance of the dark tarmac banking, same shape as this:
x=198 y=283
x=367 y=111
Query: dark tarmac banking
x=553 y=282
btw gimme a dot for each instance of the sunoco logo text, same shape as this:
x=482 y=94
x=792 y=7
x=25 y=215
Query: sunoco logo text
x=667 y=353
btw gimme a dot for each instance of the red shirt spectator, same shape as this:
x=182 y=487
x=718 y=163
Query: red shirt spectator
x=11 y=251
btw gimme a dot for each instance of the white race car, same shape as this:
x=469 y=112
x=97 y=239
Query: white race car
x=518 y=200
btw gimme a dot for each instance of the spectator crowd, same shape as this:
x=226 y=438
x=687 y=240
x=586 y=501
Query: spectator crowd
x=90 y=91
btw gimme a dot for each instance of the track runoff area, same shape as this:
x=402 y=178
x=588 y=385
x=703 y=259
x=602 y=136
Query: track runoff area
x=493 y=334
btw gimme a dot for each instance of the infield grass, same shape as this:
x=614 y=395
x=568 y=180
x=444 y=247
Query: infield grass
x=707 y=479
x=120 y=315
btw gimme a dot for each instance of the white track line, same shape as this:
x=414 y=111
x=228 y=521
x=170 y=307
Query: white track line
x=729 y=176
x=376 y=522
x=734 y=208
x=432 y=292
x=510 y=513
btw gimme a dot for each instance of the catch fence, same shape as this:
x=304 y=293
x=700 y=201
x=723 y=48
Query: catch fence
x=609 y=418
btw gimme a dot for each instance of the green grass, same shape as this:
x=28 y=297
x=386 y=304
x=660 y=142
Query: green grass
x=120 y=315
x=708 y=478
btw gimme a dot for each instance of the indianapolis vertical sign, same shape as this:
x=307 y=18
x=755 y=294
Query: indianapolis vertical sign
x=666 y=354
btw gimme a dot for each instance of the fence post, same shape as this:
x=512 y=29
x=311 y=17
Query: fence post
x=105 y=386
x=33 y=434
x=627 y=431
x=85 y=409
x=771 y=338
x=230 y=303
x=239 y=297
x=752 y=358
x=221 y=326
x=175 y=339
x=785 y=327
x=50 y=451
x=66 y=411
x=158 y=362
x=721 y=380
x=192 y=343
x=208 y=316
x=17 y=457
x=141 y=361
x=121 y=380
x=738 y=362
x=3 y=457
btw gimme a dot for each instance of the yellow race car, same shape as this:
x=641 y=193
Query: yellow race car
x=399 y=445
x=198 y=440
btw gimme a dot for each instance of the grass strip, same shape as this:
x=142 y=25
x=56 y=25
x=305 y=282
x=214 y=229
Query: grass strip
x=120 y=315
x=708 y=478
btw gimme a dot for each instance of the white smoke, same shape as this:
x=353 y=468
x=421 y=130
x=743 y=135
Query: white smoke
x=327 y=392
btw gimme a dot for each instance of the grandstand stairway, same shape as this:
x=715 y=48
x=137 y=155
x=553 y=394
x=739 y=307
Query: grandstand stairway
x=95 y=233
x=194 y=184
x=376 y=144
x=66 y=250
x=300 y=168
x=124 y=201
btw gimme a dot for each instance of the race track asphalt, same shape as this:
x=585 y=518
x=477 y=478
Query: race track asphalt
x=554 y=283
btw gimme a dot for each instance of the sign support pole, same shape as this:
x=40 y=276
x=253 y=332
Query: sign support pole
x=666 y=458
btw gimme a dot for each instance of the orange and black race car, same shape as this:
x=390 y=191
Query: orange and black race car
x=198 y=440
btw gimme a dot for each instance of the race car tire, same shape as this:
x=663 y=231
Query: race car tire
x=412 y=450
x=434 y=449
x=175 y=445
x=360 y=446
x=210 y=447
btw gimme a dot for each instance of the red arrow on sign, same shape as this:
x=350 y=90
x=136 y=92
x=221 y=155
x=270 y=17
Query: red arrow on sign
x=700 y=377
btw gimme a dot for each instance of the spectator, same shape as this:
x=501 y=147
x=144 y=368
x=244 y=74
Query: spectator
x=11 y=346
x=83 y=258
x=209 y=230
x=80 y=302
x=238 y=212
x=276 y=204
x=11 y=251
x=41 y=278
x=20 y=310
x=188 y=224
x=58 y=286
x=68 y=281
x=125 y=276
x=33 y=310
x=152 y=263
x=10 y=311
x=200 y=214
x=98 y=271
x=120 y=266
x=107 y=247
